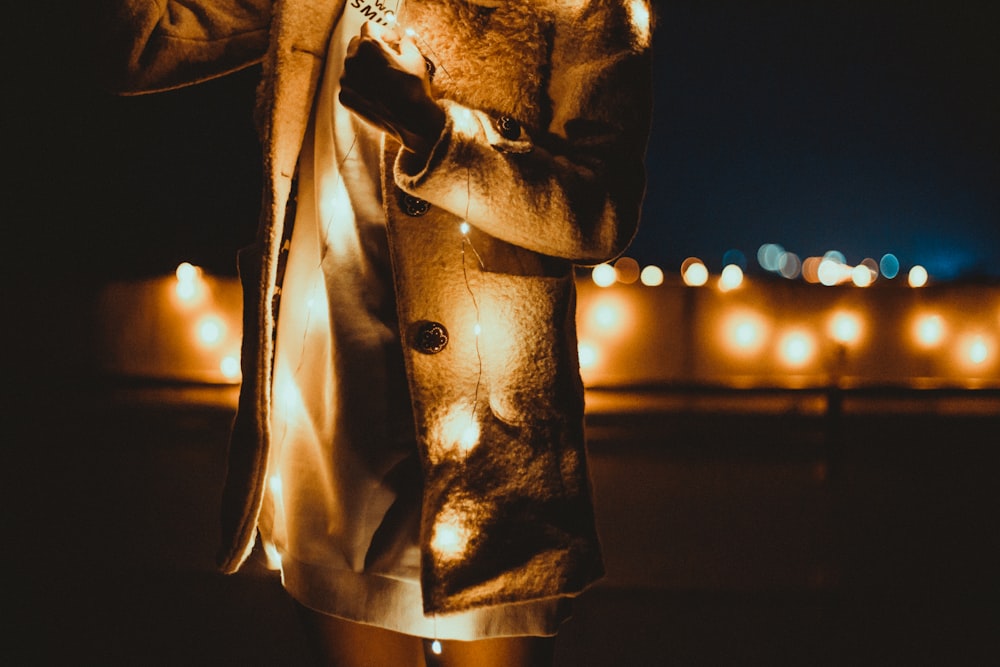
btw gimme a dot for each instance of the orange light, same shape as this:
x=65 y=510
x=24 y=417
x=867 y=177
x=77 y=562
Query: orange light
x=627 y=270
x=589 y=355
x=744 y=332
x=210 y=330
x=607 y=316
x=975 y=351
x=730 y=278
x=797 y=348
x=694 y=272
x=604 y=275
x=845 y=327
x=230 y=367
x=651 y=276
x=189 y=287
x=452 y=531
x=917 y=276
x=862 y=276
x=928 y=330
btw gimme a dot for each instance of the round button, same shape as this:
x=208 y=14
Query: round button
x=508 y=128
x=430 y=337
x=413 y=206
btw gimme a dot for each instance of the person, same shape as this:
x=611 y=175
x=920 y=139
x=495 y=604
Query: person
x=409 y=446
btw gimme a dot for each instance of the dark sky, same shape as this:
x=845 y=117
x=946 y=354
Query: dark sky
x=866 y=127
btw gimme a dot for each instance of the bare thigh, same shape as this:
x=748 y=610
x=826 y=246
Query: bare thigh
x=339 y=643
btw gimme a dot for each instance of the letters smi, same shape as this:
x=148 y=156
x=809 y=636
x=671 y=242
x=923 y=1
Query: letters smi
x=377 y=12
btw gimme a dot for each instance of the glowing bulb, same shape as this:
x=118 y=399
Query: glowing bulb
x=862 y=276
x=186 y=272
x=210 y=330
x=588 y=355
x=651 y=276
x=607 y=315
x=917 y=276
x=436 y=647
x=464 y=228
x=604 y=275
x=831 y=272
x=230 y=367
x=845 y=327
x=796 y=348
x=694 y=272
x=410 y=32
x=744 y=332
x=977 y=350
x=188 y=286
x=477 y=329
x=929 y=330
x=730 y=278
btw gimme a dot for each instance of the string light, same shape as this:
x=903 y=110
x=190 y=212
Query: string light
x=651 y=276
x=190 y=286
x=604 y=275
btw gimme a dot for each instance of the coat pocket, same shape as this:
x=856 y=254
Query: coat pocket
x=529 y=347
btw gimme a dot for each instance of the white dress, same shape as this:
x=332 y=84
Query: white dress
x=342 y=505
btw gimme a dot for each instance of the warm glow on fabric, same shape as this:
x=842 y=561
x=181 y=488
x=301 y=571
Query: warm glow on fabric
x=456 y=434
x=451 y=533
x=640 y=18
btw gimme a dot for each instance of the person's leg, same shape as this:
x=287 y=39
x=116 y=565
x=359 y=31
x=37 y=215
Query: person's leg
x=339 y=643
x=501 y=652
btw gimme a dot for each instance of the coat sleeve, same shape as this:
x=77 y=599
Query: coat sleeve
x=575 y=190
x=153 y=45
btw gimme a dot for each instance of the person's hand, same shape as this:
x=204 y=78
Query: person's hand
x=385 y=81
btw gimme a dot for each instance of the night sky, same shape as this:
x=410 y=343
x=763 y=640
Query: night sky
x=866 y=127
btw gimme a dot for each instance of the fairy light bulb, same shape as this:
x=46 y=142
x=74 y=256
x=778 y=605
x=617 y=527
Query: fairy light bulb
x=464 y=228
x=189 y=282
x=436 y=647
x=229 y=366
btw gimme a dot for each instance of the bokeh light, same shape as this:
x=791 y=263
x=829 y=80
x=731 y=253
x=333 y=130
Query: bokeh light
x=845 y=327
x=604 y=275
x=627 y=270
x=917 y=276
x=889 y=265
x=928 y=330
x=651 y=276
x=694 y=272
x=797 y=348
x=730 y=278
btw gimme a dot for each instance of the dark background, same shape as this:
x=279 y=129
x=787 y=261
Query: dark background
x=867 y=127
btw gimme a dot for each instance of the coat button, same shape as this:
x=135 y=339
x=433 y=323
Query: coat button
x=413 y=206
x=430 y=337
x=508 y=128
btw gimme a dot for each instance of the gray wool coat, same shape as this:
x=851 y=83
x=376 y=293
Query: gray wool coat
x=548 y=108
